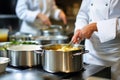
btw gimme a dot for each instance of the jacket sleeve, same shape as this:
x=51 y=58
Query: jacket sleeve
x=55 y=11
x=82 y=16
x=107 y=29
x=24 y=13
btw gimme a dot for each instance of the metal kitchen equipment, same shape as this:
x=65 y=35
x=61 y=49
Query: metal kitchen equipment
x=24 y=55
x=59 y=61
x=3 y=63
x=43 y=40
x=20 y=36
x=3 y=52
x=52 y=30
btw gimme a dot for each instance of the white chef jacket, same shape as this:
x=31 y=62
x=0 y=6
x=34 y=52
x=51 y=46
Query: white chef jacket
x=104 y=45
x=27 y=11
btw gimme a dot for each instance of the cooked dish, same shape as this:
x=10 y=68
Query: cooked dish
x=62 y=48
x=68 y=48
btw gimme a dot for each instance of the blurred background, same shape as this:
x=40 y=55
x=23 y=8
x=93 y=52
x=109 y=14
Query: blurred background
x=9 y=19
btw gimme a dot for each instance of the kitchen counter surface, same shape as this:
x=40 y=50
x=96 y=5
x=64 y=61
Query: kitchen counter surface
x=37 y=73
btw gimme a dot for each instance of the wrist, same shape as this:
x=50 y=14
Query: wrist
x=94 y=26
x=39 y=16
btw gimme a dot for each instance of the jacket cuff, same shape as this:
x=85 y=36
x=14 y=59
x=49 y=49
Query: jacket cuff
x=106 y=30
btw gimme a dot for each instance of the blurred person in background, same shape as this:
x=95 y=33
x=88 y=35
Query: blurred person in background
x=98 y=23
x=35 y=14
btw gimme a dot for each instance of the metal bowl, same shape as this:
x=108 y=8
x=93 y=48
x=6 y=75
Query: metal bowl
x=3 y=63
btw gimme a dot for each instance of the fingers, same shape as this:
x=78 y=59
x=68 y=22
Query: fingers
x=47 y=22
x=85 y=32
x=77 y=37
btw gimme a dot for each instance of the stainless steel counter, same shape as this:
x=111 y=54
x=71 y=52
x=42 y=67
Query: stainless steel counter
x=37 y=73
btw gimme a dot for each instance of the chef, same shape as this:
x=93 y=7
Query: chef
x=98 y=23
x=35 y=14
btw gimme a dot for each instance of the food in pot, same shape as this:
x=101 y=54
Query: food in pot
x=64 y=48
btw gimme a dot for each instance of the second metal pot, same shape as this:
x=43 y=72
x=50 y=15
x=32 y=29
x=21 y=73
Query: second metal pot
x=24 y=55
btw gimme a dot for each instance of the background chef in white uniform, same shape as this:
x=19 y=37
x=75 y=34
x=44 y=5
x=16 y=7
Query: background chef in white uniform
x=98 y=23
x=35 y=14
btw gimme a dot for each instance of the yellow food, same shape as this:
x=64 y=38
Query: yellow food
x=68 y=49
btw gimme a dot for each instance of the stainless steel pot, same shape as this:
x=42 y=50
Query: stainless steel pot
x=62 y=61
x=24 y=55
x=52 y=30
x=43 y=40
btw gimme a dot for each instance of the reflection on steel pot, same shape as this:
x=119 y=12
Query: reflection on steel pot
x=62 y=61
x=43 y=40
x=24 y=55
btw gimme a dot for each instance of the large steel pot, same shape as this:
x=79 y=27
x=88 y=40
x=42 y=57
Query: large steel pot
x=62 y=61
x=43 y=40
x=24 y=55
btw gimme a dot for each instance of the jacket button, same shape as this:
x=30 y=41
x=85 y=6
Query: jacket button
x=90 y=20
x=91 y=4
x=106 y=4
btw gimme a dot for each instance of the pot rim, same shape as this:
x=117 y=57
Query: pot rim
x=23 y=48
x=81 y=47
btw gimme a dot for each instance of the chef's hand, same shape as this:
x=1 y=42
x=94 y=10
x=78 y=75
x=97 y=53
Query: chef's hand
x=78 y=36
x=45 y=20
x=62 y=16
x=84 y=33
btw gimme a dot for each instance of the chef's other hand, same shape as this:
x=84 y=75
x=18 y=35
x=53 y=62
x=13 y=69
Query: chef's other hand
x=45 y=20
x=84 y=33
x=62 y=16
